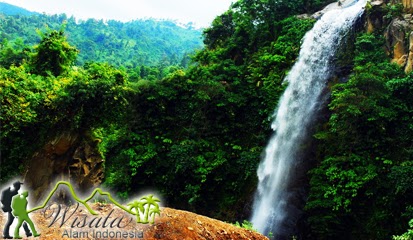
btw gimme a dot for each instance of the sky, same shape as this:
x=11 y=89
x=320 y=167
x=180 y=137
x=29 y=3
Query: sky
x=201 y=12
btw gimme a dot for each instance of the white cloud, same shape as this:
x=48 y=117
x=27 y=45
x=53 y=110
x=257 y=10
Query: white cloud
x=200 y=11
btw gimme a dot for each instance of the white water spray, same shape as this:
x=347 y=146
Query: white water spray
x=296 y=110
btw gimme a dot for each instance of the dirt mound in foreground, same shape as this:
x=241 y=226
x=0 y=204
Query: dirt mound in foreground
x=171 y=224
x=176 y=224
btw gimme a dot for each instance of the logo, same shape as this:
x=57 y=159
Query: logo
x=15 y=206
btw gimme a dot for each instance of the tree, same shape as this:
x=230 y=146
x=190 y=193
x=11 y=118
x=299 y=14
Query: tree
x=13 y=53
x=53 y=55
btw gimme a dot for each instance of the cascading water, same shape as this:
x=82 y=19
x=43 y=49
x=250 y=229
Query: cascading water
x=294 y=116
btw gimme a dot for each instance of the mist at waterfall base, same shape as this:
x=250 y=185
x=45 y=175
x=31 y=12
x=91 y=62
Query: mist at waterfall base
x=273 y=211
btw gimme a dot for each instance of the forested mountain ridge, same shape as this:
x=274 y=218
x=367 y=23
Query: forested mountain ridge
x=132 y=44
x=197 y=134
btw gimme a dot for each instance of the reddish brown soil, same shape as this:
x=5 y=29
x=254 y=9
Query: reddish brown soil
x=172 y=224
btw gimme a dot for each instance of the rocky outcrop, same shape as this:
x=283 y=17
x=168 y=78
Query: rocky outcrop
x=68 y=156
x=375 y=15
x=398 y=30
x=398 y=42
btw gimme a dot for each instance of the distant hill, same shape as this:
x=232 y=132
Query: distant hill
x=132 y=44
x=8 y=9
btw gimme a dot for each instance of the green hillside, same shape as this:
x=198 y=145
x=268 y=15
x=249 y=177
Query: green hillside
x=132 y=44
x=8 y=9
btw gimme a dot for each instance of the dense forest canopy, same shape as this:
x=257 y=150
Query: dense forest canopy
x=132 y=44
x=196 y=132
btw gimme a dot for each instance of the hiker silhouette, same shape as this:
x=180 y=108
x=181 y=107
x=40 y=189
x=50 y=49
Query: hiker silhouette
x=19 y=206
x=6 y=199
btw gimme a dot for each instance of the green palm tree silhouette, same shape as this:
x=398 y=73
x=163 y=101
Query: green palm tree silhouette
x=138 y=206
x=150 y=201
x=153 y=212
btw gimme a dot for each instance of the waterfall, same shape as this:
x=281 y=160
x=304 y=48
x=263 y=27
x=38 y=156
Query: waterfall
x=295 y=114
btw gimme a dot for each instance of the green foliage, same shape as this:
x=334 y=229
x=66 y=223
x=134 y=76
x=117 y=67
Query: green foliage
x=184 y=153
x=246 y=224
x=360 y=188
x=35 y=107
x=197 y=134
x=53 y=55
x=394 y=10
x=13 y=53
x=94 y=96
x=402 y=178
x=407 y=235
x=21 y=94
x=146 y=42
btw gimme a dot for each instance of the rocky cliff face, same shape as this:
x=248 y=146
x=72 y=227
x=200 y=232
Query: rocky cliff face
x=397 y=39
x=68 y=156
x=398 y=29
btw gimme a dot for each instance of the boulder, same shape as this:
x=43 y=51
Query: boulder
x=375 y=20
x=396 y=41
x=68 y=156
